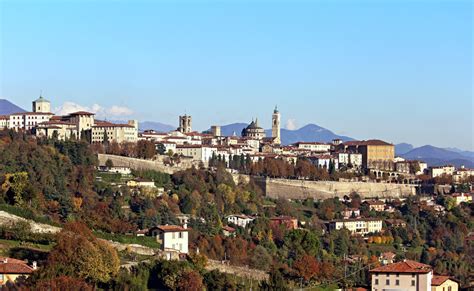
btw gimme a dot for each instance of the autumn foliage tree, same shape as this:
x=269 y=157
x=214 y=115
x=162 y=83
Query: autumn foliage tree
x=306 y=267
x=79 y=254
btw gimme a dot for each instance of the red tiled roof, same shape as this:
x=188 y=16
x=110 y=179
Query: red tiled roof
x=14 y=266
x=102 y=123
x=373 y=142
x=228 y=228
x=438 y=280
x=406 y=266
x=81 y=113
x=387 y=255
x=171 y=228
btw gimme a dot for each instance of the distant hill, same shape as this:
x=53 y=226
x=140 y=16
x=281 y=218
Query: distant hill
x=435 y=156
x=158 y=126
x=402 y=148
x=469 y=154
x=144 y=125
x=6 y=107
x=310 y=132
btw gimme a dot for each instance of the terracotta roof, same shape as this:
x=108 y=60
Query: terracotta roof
x=81 y=113
x=102 y=123
x=228 y=228
x=438 y=280
x=14 y=266
x=372 y=142
x=387 y=255
x=406 y=266
x=171 y=228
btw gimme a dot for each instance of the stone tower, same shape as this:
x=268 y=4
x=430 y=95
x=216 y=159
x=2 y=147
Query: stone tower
x=41 y=105
x=185 y=124
x=276 y=126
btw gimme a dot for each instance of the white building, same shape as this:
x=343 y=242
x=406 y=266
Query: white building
x=406 y=275
x=171 y=237
x=353 y=159
x=358 y=226
x=240 y=219
x=463 y=174
x=439 y=171
x=314 y=146
x=115 y=132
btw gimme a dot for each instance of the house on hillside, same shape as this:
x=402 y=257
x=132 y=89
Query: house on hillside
x=172 y=238
x=444 y=283
x=288 y=221
x=138 y=182
x=405 y=275
x=12 y=269
x=241 y=220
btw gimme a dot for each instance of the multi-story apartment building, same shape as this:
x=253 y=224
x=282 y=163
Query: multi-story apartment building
x=360 y=226
x=376 y=154
x=114 y=132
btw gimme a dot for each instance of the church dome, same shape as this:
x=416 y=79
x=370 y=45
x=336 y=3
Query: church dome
x=41 y=99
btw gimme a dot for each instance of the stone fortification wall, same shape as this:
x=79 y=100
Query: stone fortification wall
x=139 y=164
x=299 y=189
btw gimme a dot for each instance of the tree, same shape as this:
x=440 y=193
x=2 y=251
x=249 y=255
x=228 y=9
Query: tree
x=190 y=281
x=78 y=253
x=276 y=281
x=306 y=267
x=109 y=164
x=161 y=149
x=62 y=283
x=261 y=259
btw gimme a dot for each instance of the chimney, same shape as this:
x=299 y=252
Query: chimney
x=185 y=226
x=34 y=265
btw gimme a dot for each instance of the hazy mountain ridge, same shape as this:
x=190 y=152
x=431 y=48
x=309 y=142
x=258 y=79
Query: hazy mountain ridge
x=308 y=133
x=435 y=156
x=7 y=107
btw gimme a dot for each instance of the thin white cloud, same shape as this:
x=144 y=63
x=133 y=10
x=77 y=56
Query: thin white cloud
x=113 y=111
x=291 y=124
x=116 y=110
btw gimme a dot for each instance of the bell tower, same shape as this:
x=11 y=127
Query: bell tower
x=276 y=126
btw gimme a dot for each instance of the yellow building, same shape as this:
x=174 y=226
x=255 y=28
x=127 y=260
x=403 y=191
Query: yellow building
x=12 y=269
x=358 y=226
x=443 y=283
x=376 y=154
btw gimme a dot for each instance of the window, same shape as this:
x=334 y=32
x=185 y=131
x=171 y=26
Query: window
x=413 y=282
x=387 y=282
x=397 y=282
x=398 y=275
x=376 y=281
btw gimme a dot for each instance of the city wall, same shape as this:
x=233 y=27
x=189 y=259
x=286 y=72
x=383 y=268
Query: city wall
x=300 y=189
x=157 y=164
x=278 y=188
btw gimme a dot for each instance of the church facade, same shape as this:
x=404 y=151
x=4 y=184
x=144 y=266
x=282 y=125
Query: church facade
x=254 y=131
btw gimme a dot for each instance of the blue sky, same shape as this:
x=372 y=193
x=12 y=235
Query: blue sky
x=401 y=71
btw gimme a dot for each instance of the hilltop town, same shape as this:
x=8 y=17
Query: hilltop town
x=194 y=210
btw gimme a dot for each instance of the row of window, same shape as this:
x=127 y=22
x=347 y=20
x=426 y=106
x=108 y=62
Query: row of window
x=397 y=282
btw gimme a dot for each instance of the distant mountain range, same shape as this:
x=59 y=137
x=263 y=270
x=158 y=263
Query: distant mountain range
x=310 y=132
x=435 y=156
x=6 y=107
x=146 y=125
